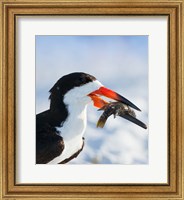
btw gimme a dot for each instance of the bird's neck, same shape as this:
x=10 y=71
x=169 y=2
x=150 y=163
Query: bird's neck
x=75 y=123
x=58 y=110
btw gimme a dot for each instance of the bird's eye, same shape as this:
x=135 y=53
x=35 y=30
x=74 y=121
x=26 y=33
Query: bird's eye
x=81 y=79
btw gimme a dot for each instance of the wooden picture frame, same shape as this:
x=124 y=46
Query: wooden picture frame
x=10 y=9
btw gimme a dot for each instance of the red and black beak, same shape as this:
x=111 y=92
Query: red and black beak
x=102 y=91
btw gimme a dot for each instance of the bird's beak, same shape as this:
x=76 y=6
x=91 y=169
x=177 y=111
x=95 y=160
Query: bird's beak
x=102 y=91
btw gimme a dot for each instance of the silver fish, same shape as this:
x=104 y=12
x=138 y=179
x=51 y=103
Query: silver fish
x=118 y=109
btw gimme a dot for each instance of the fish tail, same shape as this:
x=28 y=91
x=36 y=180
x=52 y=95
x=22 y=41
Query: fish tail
x=101 y=122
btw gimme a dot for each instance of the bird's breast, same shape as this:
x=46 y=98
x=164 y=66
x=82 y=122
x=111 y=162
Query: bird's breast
x=71 y=146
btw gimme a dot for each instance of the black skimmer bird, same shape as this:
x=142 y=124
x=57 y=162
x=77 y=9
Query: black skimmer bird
x=60 y=130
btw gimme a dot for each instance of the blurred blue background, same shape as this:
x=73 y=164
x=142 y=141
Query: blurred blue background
x=119 y=63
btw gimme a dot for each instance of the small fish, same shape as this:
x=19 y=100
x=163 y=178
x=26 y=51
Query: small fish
x=118 y=109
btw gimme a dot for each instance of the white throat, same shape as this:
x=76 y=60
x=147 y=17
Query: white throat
x=75 y=123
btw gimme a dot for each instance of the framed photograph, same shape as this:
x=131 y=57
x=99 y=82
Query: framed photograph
x=91 y=99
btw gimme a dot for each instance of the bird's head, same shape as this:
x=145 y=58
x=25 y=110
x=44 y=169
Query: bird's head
x=82 y=88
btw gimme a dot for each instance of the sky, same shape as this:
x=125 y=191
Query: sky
x=119 y=63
